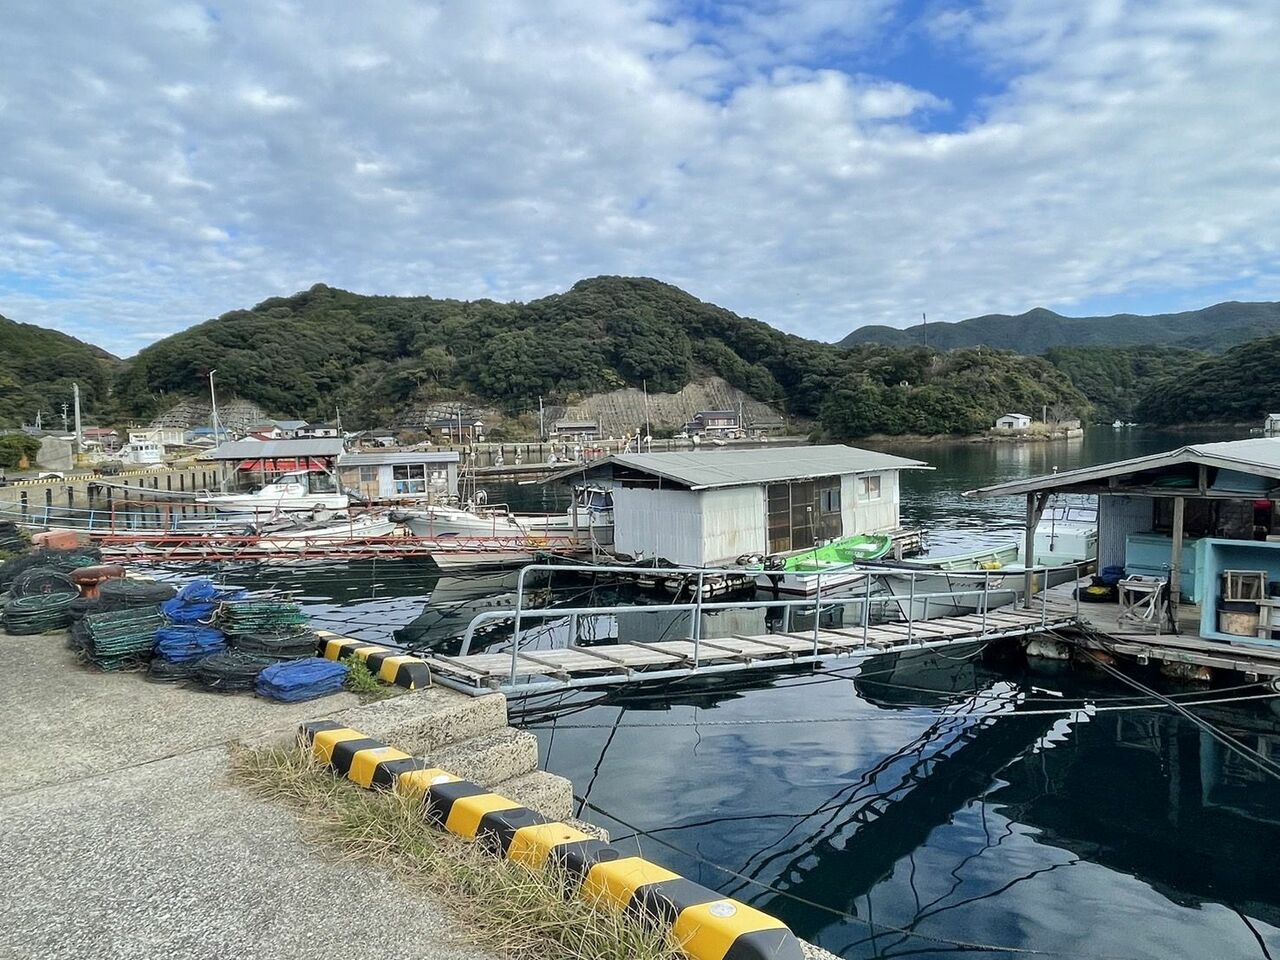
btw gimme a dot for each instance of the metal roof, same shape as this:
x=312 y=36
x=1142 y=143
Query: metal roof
x=703 y=469
x=372 y=459
x=273 y=449
x=1260 y=456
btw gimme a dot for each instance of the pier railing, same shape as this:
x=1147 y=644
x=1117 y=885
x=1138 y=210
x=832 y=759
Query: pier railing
x=901 y=588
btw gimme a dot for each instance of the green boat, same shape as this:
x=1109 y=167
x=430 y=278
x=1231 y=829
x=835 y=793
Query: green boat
x=839 y=553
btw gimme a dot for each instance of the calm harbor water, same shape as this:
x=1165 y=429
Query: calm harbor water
x=916 y=806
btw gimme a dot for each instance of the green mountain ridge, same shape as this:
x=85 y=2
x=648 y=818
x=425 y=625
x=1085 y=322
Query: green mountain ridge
x=38 y=367
x=377 y=357
x=374 y=355
x=1033 y=333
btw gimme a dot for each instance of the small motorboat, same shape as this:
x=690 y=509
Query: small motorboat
x=837 y=561
x=300 y=491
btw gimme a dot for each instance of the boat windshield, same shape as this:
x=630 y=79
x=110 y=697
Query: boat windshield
x=312 y=482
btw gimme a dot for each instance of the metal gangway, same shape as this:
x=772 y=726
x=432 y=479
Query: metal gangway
x=888 y=610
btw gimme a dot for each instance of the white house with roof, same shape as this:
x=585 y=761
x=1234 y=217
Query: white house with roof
x=708 y=507
x=1013 y=421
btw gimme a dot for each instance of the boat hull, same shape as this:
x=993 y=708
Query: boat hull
x=267 y=506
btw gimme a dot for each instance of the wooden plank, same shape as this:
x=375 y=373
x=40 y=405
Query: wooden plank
x=488 y=664
x=748 y=649
x=915 y=629
x=685 y=649
x=636 y=655
x=771 y=640
x=567 y=661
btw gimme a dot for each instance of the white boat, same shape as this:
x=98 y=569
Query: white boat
x=301 y=491
x=474 y=556
x=959 y=579
x=290 y=536
x=1066 y=534
x=142 y=453
x=589 y=517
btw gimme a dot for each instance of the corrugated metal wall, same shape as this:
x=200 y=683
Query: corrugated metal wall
x=1117 y=518
x=694 y=529
x=869 y=516
x=658 y=523
x=733 y=523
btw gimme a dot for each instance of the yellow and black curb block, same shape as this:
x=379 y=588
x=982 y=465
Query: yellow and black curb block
x=388 y=665
x=707 y=925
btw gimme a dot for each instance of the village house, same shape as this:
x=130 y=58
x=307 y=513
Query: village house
x=578 y=431
x=714 y=423
x=1013 y=421
x=400 y=475
x=317 y=431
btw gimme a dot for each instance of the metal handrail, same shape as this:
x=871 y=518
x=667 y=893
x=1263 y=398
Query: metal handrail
x=699 y=606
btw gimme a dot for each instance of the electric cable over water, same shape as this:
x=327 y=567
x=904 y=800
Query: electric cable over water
x=835 y=911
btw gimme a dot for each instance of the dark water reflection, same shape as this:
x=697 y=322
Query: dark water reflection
x=919 y=806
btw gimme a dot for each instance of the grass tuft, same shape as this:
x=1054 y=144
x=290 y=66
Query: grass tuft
x=362 y=682
x=502 y=905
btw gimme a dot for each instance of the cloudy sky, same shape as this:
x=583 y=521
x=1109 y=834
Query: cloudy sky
x=817 y=165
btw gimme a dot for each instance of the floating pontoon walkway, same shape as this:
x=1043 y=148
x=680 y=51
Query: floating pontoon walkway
x=526 y=671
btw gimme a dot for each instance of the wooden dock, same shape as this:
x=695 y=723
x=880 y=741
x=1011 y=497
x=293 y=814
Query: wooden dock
x=529 y=670
x=1183 y=646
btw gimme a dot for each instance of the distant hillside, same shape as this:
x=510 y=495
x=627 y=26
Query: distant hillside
x=1032 y=333
x=1240 y=386
x=374 y=356
x=37 y=368
x=1116 y=379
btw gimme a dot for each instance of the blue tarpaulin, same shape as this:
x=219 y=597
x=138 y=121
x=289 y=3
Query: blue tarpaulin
x=182 y=643
x=196 y=602
x=299 y=680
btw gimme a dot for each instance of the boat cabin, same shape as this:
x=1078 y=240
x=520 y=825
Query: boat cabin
x=1193 y=518
x=400 y=475
x=708 y=507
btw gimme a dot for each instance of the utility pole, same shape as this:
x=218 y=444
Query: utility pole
x=338 y=412
x=924 y=323
x=213 y=403
x=542 y=430
x=75 y=394
x=647 y=431
x=66 y=420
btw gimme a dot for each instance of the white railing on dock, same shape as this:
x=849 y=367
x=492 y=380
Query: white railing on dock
x=984 y=596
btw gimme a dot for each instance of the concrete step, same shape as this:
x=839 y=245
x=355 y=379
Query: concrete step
x=551 y=795
x=489 y=759
x=426 y=721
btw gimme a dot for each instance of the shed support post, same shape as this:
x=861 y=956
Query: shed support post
x=1175 y=560
x=1035 y=509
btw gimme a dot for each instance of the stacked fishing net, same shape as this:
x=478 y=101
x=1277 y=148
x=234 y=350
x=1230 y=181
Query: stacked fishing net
x=268 y=629
x=40 y=600
x=120 y=639
x=229 y=671
x=38 y=613
x=12 y=540
x=61 y=560
x=297 y=680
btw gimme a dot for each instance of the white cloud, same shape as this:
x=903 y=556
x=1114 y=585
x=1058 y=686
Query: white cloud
x=196 y=159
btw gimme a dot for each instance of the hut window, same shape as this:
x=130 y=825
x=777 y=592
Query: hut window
x=869 y=487
x=368 y=474
x=409 y=477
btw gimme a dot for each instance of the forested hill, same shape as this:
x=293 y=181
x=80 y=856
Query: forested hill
x=38 y=367
x=374 y=355
x=1034 y=332
x=1240 y=386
